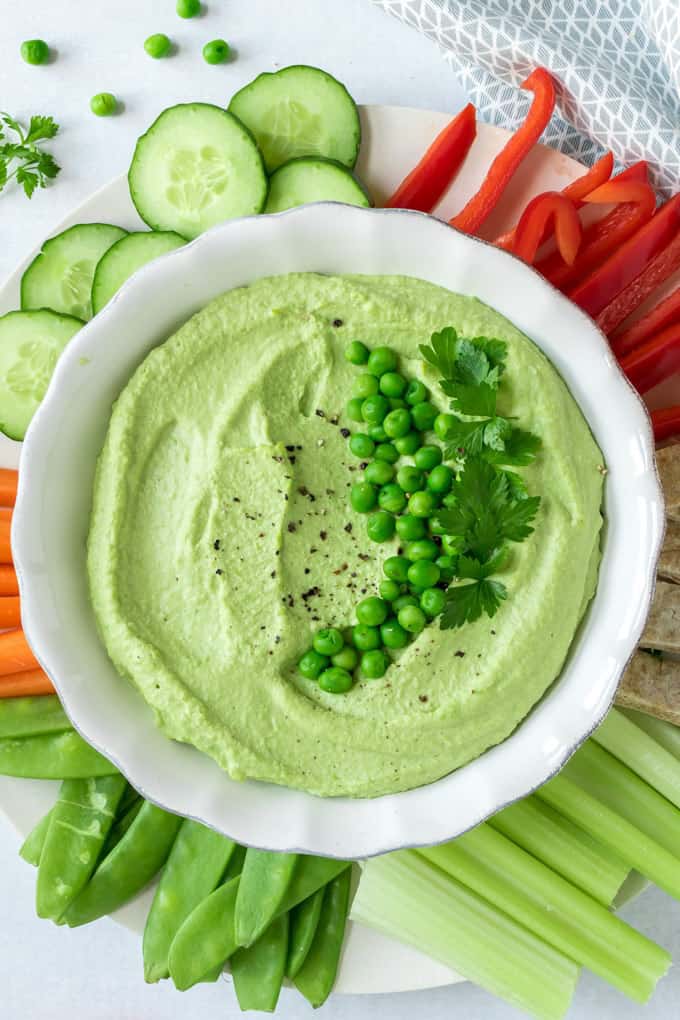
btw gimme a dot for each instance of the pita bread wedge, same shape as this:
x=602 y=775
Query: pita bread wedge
x=663 y=624
x=652 y=685
x=669 y=561
x=668 y=464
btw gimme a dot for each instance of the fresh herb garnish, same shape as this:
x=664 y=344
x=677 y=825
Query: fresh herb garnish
x=21 y=159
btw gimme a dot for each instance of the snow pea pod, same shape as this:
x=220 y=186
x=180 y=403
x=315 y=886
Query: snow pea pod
x=52 y=756
x=26 y=717
x=258 y=969
x=32 y=847
x=316 y=977
x=196 y=864
x=304 y=920
x=124 y=820
x=80 y=822
x=131 y=864
x=264 y=882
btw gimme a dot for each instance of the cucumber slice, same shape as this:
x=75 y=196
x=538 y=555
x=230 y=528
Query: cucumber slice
x=60 y=277
x=300 y=111
x=124 y=258
x=312 y=180
x=196 y=166
x=30 y=343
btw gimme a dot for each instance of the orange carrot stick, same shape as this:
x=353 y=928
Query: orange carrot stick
x=15 y=653
x=10 y=612
x=6 y=514
x=8 y=487
x=8 y=580
x=5 y=544
x=21 y=685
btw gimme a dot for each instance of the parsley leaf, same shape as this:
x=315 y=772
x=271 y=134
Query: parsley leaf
x=516 y=518
x=519 y=448
x=22 y=160
x=464 y=438
x=442 y=351
x=465 y=603
x=474 y=401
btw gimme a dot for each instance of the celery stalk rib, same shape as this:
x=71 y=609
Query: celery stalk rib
x=641 y=753
x=664 y=733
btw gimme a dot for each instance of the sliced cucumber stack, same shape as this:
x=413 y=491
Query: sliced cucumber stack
x=196 y=166
x=60 y=277
x=309 y=179
x=125 y=257
x=30 y=343
x=300 y=111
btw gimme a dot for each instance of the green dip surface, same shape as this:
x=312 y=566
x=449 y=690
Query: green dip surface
x=222 y=538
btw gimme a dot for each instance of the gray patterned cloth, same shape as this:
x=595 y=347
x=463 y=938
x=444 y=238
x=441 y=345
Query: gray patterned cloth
x=617 y=61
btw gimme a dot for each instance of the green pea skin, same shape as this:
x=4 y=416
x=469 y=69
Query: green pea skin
x=389 y=590
x=381 y=360
x=416 y=392
x=335 y=680
x=412 y=618
x=402 y=602
x=397 y=423
x=379 y=472
x=104 y=104
x=410 y=528
x=423 y=573
x=422 y=549
x=393 y=634
x=424 y=415
x=387 y=452
x=442 y=424
x=356 y=353
x=377 y=433
x=353 y=409
x=346 y=659
x=374 y=410
x=380 y=526
x=365 y=638
x=157 y=46
x=374 y=664
x=447 y=567
x=396 y=403
x=361 y=445
x=35 y=51
x=392 y=498
x=396 y=568
x=407 y=445
x=328 y=641
x=312 y=664
x=363 y=497
x=372 y=611
x=440 y=479
x=432 y=602
x=365 y=385
x=422 y=504
x=428 y=457
x=188 y=8
x=392 y=384
x=411 y=479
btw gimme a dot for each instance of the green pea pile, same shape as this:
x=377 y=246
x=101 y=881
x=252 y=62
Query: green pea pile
x=400 y=499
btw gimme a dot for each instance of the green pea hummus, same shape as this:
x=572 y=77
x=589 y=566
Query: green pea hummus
x=222 y=538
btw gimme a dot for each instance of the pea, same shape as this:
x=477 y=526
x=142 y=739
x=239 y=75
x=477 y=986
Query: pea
x=104 y=104
x=312 y=664
x=432 y=601
x=365 y=386
x=440 y=479
x=347 y=658
x=377 y=433
x=397 y=423
x=380 y=526
x=35 y=51
x=363 y=497
x=157 y=46
x=393 y=634
x=397 y=404
x=451 y=545
x=396 y=568
x=408 y=444
x=379 y=472
x=389 y=590
x=402 y=601
x=421 y=504
x=387 y=452
x=412 y=618
x=447 y=567
x=410 y=528
x=392 y=384
x=188 y=8
x=416 y=590
x=335 y=680
x=424 y=573
x=365 y=638
x=328 y=641
x=374 y=410
x=381 y=360
x=356 y=353
x=353 y=409
x=361 y=445
x=428 y=457
x=217 y=51
x=424 y=415
x=411 y=479
x=423 y=549
x=374 y=664
x=416 y=392
x=372 y=611
x=392 y=498
x=442 y=424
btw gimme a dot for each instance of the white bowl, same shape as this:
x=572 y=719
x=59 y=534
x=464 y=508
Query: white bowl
x=51 y=525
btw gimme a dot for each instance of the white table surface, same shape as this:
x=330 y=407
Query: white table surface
x=95 y=973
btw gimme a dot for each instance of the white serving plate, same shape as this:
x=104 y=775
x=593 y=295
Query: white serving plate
x=394 y=140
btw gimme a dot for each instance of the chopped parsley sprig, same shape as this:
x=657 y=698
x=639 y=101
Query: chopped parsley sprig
x=21 y=158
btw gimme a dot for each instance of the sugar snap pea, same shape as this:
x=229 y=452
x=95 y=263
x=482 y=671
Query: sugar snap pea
x=311 y=874
x=235 y=866
x=26 y=717
x=196 y=864
x=121 y=825
x=206 y=939
x=129 y=798
x=79 y=824
x=131 y=864
x=316 y=977
x=258 y=969
x=264 y=882
x=304 y=920
x=52 y=756
x=31 y=848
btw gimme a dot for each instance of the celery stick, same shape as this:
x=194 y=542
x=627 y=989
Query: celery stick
x=563 y=846
x=607 y=779
x=406 y=897
x=545 y=903
x=641 y=753
x=630 y=843
x=664 y=733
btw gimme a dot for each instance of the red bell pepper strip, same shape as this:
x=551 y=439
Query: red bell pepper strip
x=555 y=207
x=635 y=202
x=654 y=360
x=662 y=315
x=599 y=289
x=504 y=166
x=650 y=279
x=428 y=181
x=666 y=422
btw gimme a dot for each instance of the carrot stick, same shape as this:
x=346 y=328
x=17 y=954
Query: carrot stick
x=8 y=580
x=10 y=612
x=8 y=487
x=6 y=514
x=5 y=544
x=21 y=685
x=15 y=653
